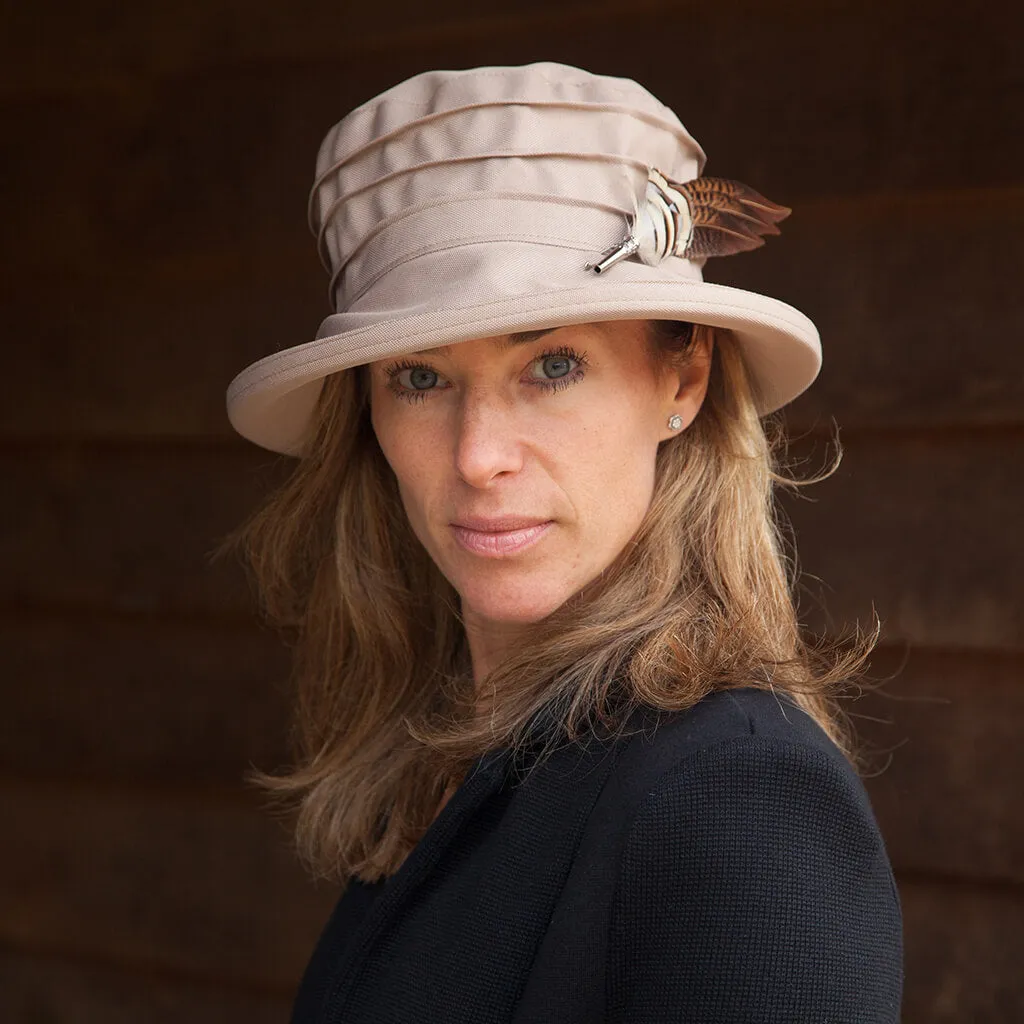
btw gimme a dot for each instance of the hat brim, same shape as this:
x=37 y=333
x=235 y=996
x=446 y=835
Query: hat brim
x=272 y=401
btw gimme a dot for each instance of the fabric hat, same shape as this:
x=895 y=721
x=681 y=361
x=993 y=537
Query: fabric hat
x=473 y=203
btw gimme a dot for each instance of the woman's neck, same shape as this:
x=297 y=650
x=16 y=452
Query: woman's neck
x=489 y=642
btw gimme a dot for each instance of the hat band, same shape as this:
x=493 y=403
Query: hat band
x=409 y=213
x=582 y=229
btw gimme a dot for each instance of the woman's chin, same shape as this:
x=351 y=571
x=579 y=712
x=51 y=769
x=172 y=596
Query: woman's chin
x=511 y=605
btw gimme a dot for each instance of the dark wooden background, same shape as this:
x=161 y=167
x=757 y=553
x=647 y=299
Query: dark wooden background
x=156 y=160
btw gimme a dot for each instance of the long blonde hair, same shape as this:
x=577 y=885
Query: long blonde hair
x=386 y=710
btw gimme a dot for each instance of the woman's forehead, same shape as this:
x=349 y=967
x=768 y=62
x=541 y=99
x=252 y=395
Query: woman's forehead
x=503 y=343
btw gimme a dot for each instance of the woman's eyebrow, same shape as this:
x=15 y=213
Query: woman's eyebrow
x=525 y=337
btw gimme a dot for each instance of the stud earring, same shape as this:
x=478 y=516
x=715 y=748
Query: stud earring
x=675 y=422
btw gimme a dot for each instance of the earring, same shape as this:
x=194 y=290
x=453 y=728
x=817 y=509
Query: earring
x=675 y=422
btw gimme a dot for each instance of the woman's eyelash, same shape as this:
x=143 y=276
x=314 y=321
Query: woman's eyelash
x=552 y=384
x=391 y=377
x=572 y=377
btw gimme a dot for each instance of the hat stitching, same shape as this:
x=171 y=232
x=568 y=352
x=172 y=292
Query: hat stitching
x=460 y=243
x=616 y=108
x=475 y=196
x=608 y=82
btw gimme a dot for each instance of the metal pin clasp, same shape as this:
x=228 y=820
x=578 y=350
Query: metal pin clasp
x=612 y=256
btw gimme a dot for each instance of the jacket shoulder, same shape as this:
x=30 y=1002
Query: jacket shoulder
x=754 y=882
x=656 y=741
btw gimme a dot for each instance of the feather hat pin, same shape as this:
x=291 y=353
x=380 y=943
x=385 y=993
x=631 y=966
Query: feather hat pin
x=694 y=219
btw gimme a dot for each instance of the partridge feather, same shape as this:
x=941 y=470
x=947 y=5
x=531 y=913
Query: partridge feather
x=695 y=219
x=728 y=217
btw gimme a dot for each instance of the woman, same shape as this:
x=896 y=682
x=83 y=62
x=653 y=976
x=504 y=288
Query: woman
x=556 y=724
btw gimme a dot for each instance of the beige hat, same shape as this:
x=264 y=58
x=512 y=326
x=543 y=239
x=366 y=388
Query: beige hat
x=468 y=204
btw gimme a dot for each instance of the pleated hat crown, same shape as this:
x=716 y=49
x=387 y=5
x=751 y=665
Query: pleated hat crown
x=474 y=203
x=530 y=157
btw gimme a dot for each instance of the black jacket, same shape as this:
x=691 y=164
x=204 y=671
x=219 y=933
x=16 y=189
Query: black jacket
x=719 y=866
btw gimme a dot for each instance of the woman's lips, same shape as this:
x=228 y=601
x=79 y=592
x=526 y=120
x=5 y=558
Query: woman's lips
x=499 y=543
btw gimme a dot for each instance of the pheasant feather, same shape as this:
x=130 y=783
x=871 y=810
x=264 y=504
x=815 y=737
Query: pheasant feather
x=695 y=219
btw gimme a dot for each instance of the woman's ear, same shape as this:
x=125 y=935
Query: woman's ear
x=686 y=385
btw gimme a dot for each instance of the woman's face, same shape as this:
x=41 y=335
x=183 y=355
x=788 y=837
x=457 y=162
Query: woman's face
x=526 y=462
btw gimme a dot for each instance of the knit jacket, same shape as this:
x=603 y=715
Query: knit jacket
x=720 y=865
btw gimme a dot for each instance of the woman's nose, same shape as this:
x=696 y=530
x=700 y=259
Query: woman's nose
x=487 y=443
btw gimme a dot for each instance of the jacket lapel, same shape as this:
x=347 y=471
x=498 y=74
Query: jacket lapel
x=484 y=777
x=518 y=851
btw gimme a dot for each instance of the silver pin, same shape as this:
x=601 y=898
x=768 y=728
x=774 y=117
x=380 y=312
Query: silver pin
x=612 y=256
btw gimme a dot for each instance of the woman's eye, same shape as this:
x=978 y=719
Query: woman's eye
x=550 y=372
x=417 y=378
x=553 y=367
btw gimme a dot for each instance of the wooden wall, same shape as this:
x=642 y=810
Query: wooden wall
x=155 y=169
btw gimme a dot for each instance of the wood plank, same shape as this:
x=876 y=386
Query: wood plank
x=149 y=350
x=150 y=354
x=944 y=760
x=950 y=976
x=182 y=704
x=116 y=43
x=962 y=953
x=208 y=889
x=152 y=701
x=37 y=988
x=896 y=293
x=207 y=893
x=887 y=87
x=129 y=529
x=880 y=87
x=924 y=529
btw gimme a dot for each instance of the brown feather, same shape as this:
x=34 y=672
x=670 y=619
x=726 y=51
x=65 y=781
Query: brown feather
x=728 y=216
